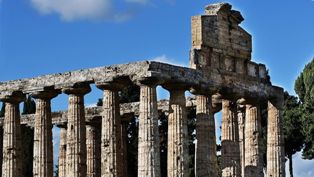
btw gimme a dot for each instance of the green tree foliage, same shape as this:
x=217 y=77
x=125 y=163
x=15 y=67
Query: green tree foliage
x=292 y=127
x=304 y=87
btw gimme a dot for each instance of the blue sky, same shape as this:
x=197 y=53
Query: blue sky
x=51 y=36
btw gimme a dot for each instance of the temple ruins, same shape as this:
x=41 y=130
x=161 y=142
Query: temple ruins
x=221 y=76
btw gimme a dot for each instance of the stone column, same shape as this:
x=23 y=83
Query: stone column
x=230 y=152
x=241 y=123
x=148 y=135
x=275 y=139
x=177 y=135
x=43 y=150
x=76 y=131
x=12 y=157
x=253 y=163
x=62 y=150
x=111 y=132
x=93 y=151
x=205 y=150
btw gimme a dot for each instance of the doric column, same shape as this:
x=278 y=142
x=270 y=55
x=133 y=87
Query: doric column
x=253 y=163
x=241 y=123
x=76 y=131
x=177 y=160
x=230 y=153
x=205 y=150
x=275 y=139
x=11 y=162
x=93 y=150
x=148 y=135
x=43 y=150
x=111 y=131
x=62 y=150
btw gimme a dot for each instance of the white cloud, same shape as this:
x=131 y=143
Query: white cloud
x=70 y=10
x=165 y=59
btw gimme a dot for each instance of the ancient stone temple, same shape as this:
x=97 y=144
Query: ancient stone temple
x=222 y=76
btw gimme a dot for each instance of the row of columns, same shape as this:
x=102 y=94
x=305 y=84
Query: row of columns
x=78 y=151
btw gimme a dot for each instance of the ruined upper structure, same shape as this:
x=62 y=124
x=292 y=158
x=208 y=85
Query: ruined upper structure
x=222 y=76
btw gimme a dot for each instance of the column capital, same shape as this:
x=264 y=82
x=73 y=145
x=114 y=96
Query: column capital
x=114 y=86
x=45 y=95
x=149 y=81
x=77 y=89
x=178 y=87
x=13 y=97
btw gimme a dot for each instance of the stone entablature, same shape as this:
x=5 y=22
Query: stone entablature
x=226 y=83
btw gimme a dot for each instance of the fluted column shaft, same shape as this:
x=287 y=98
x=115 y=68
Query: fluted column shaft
x=11 y=162
x=93 y=151
x=76 y=133
x=241 y=123
x=275 y=140
x=110 y=134
x=62 y=151
x=205 y=151
x=148 y=136
x=43 y=150
x=177 y=156
x=230 y=153
x=253 y=161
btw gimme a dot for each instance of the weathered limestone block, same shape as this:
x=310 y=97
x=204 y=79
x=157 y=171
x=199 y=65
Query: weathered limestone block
x=111 y=132
x=205 y=151
x=11 y=162
x=230 y=150
x=177 y=160
x=76 y=131
x=241 y=123
x=62 y=151
x=275 y=140
x=93 y=151
x=43 y=150
x=253 y=161
x=148 y=136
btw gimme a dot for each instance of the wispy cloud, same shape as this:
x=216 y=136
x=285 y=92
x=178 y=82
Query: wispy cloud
x=71 y=10
x=165 y=59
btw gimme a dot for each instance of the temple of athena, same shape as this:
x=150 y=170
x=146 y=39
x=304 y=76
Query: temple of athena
x=222 y=77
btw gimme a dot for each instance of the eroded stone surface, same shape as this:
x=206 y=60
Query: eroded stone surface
x=111 y=136
x=253 y=160
x=62 y=151
x=230 y=152
x=205 y=148
x=76 y=133
x=148 y=136
x=177 y=160
x=275 y=140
